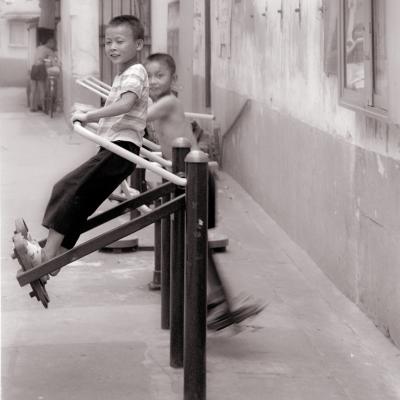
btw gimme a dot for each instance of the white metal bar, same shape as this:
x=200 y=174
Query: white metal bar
x=98 y=81
x=91 y=88
x=105 y=89
x=128 y=155
x=151 y=144
x=131 y=193
x=96 y=86
x=199 y=115
x=146 y=142
x=154 y=157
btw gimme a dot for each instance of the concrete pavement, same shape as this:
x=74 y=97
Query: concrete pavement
x=101 y=336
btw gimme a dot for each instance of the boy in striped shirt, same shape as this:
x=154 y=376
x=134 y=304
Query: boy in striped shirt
x=122 y=121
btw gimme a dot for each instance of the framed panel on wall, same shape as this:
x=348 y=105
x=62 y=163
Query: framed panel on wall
x=363 y=73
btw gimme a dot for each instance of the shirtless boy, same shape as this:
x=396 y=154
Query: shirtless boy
x=166 y=114
x=168 y=119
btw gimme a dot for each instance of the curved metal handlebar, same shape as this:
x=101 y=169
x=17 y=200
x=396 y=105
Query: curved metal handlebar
x=97 y=86
x=151 y=145
x=91 y=88
x=102 y=89
x=194 y=115
x=154 y=157
x=128 y=155
x=131 y=193
x=99 y=82
x=146 y=142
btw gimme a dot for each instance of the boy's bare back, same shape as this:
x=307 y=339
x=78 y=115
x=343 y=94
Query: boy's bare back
x=169 y=123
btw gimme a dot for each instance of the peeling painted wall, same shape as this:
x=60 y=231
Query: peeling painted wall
x=328 y=175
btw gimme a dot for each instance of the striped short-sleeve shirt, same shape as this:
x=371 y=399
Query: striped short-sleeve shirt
x=130 y=126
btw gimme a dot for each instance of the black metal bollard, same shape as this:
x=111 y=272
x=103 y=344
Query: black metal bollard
x=180 y=149
x=138 y=182
x=196 y=276
x=155 y=284
x=165 y=267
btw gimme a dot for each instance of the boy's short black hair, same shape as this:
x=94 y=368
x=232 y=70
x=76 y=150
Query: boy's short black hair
x=134 y=23
x=165 y=59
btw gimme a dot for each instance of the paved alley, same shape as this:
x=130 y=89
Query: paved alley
x=100 y=338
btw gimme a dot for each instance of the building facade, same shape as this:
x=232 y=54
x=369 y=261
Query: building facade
x=16 y=40
x=307 y=96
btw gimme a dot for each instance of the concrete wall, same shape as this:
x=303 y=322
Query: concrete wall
x=328 y=175
x=14 y=72
x=159 y=18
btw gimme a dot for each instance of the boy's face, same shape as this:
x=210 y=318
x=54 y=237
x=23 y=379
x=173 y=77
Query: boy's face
x=120 y=45
x=160 y=79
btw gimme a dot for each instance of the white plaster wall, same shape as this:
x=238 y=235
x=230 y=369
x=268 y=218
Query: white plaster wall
x=3 y=37
x=159 y=22
x=279 y=63
x=159 y=36
x=392 y=18
x=79 y=48
x=84 y=19
x=23 y=9
x=328 y=175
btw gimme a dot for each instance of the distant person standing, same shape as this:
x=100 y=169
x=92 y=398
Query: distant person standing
x=39 y=74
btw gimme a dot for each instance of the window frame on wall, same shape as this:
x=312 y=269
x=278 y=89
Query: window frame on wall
x=22 y=28
x=365 y=99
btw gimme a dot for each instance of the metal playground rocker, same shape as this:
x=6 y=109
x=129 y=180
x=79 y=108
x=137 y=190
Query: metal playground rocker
x=183 y=195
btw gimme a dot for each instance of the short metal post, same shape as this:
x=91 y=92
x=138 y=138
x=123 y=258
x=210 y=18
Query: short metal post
x=155 y=284
x=165 y=268
x=180 y=149
x=196 y=276
x=138 y=182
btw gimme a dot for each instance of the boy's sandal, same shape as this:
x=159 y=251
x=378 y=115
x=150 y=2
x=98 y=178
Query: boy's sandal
x=25 y=259
x=212 y=304
x=22 y=228
x=247 y=311
x=225 y=319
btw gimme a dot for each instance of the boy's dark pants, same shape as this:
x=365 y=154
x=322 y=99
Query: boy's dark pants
x=76 y=196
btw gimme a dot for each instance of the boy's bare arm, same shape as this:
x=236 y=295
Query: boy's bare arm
x=121 y=106
x=82 y=107
x=162 y=108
